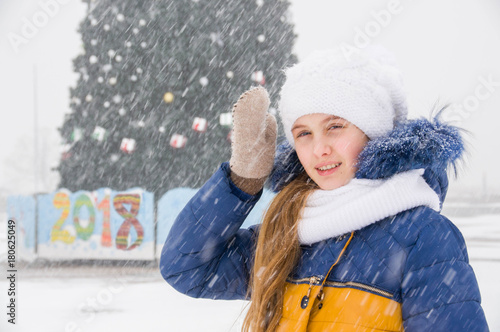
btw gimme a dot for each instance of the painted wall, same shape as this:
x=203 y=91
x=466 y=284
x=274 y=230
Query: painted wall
x=103 y=224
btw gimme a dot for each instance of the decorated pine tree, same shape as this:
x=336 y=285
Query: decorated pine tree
x=157 y=82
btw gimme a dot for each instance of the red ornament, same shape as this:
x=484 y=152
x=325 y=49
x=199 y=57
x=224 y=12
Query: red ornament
x=66 y=152
x=65 y=155
x=128 y=145
x=178 y=141
x=200 y=124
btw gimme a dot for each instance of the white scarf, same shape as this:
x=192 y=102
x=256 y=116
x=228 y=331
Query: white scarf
x=362 y=202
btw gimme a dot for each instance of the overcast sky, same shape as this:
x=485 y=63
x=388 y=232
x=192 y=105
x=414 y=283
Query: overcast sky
x=448 y=51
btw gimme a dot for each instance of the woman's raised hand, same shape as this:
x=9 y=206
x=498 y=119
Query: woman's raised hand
x=253 y=142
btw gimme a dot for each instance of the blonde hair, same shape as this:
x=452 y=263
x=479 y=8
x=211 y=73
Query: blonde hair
x=277 y=253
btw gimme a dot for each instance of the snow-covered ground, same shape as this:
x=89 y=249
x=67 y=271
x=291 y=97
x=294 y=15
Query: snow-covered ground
x=134 y=298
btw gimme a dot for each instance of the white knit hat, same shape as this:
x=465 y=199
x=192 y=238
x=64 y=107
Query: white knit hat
x=365 y=89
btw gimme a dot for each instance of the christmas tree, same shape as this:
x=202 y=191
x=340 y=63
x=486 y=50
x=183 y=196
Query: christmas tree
x=158 y=79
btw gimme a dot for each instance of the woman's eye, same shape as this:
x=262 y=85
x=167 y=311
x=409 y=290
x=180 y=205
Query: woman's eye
x=302 y=134
x=336 y=126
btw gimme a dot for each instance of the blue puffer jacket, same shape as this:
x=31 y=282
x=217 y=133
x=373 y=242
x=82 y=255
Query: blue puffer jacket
x=417 y=258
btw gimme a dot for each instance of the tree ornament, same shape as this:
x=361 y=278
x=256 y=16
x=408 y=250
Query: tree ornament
x=260 y=3
x=141 y=123
x=112 y=81
x=76 y=135
x=258 y=77
x=106 y=27
x=65 y=151
x=107 y=67
x=128 y=145
x=139 y=70
x=93 y=22
x=204 y=81
x=66 y=155
x=200 y=125
x=107 y=104
x=226 y=119
x=99 y=134
x=133 y=78
x=93 y=59
x=142 y=22
x=144 y=44
x=168 y=97
x=88 y=98
x=118 y=58
x=76 y=101
x=229 y=74
x=178 y=141
x=128 y=44
x=117 y=99
x=120 y=17
x=261 y=38
x=93 y=42
x=161 y=129
x=114 y=158
x=100 y=79
x=135 y=31
x=122 y=111
x=111 y=53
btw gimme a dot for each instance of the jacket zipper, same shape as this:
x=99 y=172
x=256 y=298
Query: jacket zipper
x=359 y=285
x=305 y=300
x=316 y=281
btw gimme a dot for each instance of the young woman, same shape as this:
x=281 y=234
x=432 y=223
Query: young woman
x=353 y=240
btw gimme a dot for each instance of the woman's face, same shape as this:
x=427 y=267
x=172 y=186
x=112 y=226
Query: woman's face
x=328 y=148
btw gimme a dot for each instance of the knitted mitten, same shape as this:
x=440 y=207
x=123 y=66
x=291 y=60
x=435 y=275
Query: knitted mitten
x=253 y=142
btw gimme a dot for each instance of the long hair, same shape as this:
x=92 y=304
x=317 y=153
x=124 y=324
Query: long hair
x=277 y=253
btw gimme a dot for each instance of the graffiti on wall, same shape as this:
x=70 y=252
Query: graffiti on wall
x=103 y=224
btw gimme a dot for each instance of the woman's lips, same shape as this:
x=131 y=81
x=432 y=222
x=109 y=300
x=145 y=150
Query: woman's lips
x=327 y=169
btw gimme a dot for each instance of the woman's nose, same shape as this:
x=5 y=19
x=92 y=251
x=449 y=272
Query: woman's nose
x=322 y=148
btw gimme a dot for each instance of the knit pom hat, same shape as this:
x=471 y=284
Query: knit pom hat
x=365 y=89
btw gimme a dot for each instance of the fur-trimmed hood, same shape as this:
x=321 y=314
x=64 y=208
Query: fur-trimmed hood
x=420 y=143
